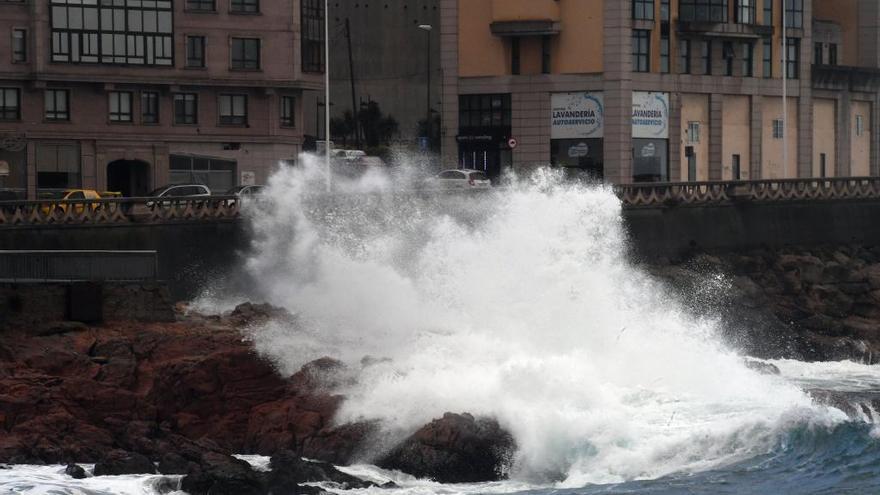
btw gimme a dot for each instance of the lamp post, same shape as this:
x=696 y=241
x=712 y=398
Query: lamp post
x=427 y=29
x=327 y=89
x=784 y=92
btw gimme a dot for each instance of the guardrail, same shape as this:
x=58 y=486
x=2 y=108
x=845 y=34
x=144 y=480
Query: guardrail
x=707 y=193
x=118 y=210
x=223 y=208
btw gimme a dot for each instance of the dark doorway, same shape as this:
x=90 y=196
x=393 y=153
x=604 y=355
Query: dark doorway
x=129 y=177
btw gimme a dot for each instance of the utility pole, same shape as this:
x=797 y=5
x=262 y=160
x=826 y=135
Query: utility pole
x=354 y=113
x=327 y=90
x=427 y=28
x=784 y=93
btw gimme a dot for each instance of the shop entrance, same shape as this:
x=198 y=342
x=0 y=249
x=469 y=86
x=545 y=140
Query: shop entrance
x=129 y=177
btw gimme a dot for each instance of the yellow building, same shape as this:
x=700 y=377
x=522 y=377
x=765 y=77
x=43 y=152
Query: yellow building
x=662 y=90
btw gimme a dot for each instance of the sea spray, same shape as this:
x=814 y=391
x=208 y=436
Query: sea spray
x=519 y=304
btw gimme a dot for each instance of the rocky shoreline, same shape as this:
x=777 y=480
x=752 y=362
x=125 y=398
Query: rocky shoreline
x=180 y=398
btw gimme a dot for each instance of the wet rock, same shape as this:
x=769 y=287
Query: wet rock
x=457 y=448
x=220 y=474
x=74 y=471
x=762 y=367
x=249 y=313
x=61 y=327
x=121 y=462
x=288 y=470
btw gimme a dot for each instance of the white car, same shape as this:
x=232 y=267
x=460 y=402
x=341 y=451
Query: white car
x=460 y=179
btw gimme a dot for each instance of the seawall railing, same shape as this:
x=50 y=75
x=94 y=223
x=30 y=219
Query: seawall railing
x=227 y=208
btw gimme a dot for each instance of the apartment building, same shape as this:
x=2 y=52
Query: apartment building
x=662 y=90
x=129 y=95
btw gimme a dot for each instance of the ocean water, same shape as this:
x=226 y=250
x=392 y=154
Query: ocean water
x=523 y=304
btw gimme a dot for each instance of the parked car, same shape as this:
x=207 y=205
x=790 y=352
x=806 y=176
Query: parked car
x=459 y=179
x=246 y=191
x=71 y=194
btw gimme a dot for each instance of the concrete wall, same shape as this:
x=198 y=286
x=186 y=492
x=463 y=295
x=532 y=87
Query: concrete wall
x=860 y=154
x=824 y=136
x=772 y=147
x=695 y=108
x=736 y=135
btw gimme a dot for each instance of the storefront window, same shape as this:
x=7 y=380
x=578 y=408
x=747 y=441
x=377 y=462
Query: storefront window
x=58 y=166
x=13 y=173
x=216 y=173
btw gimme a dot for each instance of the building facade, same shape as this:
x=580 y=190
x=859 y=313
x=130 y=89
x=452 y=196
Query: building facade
x=130 y=95
x=662 y=90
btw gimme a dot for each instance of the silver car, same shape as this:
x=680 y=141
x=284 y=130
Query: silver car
x=460 y=179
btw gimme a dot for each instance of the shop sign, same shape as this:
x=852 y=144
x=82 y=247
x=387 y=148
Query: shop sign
x=650 y=115
x=577 y=115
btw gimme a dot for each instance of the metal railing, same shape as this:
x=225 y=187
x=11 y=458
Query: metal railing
x=118 y=210
x=93 y=266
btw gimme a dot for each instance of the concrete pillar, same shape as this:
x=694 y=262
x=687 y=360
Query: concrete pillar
x=756 y=137
x=617 y=64
x=716 y=118
x=449 y=82
x=844 y=135
x=93 y=173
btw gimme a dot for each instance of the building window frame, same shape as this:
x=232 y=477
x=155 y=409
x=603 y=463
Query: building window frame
x=239 y=57
x=818 y=53
x=515 y=61
x=120 y=107
x=195 y=51
x=10 y=104
x=767 y=49
x=19 y=46
x=860 y=125
x=186 y=108
x=209 y=6
x=247 y=7
x=665 y=10
x=482 y=112
x=715 y=11
x=232 y=109
x=745 y=11
x=729 y=56
x=706 y=57
x=641 y=50
x=832 y=54
x=768 y=12
x=778 y=128
x=665 y=54
x=794 y=13
x=287 y=112
x=693 y=132
x=748 y=59
x=546 y=55
x=643 y=10
x=56 y=106
x=312 y=44
x=793 y=62
x=684 y=56
x=150 y=107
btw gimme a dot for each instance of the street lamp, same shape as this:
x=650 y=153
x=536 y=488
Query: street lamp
x=427 y=29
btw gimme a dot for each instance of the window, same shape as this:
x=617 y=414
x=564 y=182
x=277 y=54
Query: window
x=19 y=45
x=664 y=54
x=684 y=55
x=479 y=114
x=10 y=104
x=245 y=53
x=200 y=5
x=288 y=116
x=778 y=129
x=832 y=54
x=745 y=11
x=693 y=136
x=120 y=106
x=514 y=56
x=703 y=10
x=186 y=108
x=546 y=48
x=706 y=57
x=643 y=10
x=860 y=125
x=664 y=10
x=216 y=173
x=768 y=59
x=727 y=53
x=641 y=50
x=233 y=109
x=195 y=51
x=748 y=59
x=312 y=13
x=150 y=107
x=768 y=12
x=817 y=53
x=57 y=107
x=735 y=173
x=794 y=13
x=793 y=65
x=244 y=6
x=823 y=159
x=57 y=166
x=132 y=32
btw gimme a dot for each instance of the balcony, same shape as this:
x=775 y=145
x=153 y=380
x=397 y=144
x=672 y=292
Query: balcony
x=525 y=17
x=708 y=29
x=846 y=78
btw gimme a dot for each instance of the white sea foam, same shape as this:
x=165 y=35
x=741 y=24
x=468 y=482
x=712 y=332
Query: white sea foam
x=519 y=304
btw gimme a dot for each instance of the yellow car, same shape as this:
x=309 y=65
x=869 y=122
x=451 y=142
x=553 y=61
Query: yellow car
x=75 y=194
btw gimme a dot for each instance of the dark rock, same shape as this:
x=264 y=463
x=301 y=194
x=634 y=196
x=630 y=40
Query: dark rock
x=289 y=469
x=455 y=449
x=75 y=471
x=249 y=313
x=122 y=462
x=761 y=367
x=61 y=327
x=220 y=474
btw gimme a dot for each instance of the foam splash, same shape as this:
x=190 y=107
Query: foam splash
x=519 y=304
